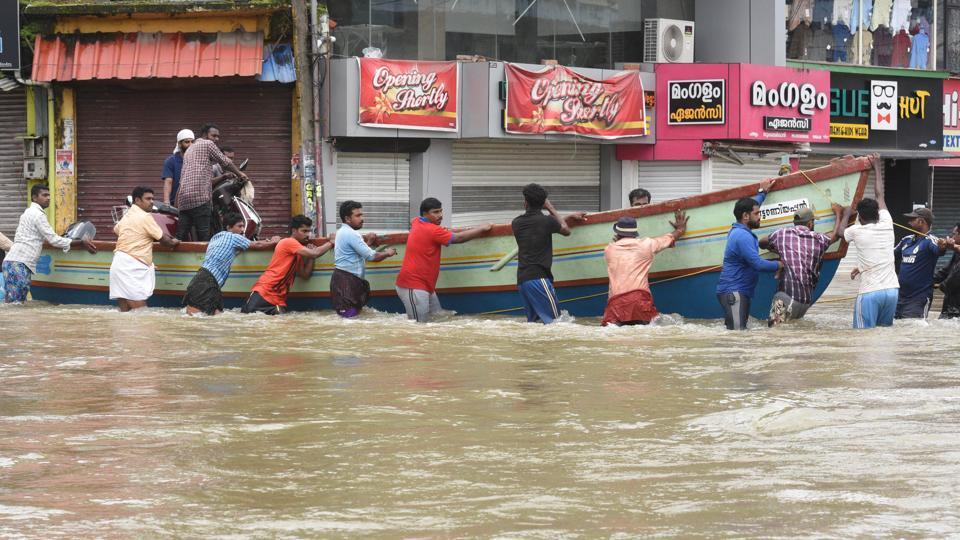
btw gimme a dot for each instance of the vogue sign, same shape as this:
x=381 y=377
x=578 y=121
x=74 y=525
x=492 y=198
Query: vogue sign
x=408 y=94
x=559 y=100
x=784 y=104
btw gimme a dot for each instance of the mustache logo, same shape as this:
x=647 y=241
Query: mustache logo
x=886 y=106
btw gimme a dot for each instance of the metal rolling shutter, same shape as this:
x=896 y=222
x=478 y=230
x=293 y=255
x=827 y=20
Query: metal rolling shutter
x=946 y=199
x=667 y=180
x=13 y=187
x=488 y=177
x=381 y=182
x=726 y=175
x=813 y=162
x=124 y=134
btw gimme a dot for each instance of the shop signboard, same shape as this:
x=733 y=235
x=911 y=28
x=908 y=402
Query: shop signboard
x=9 y=35
x=408 y=94
x=558 y=100
x=784 y=104
x=696 y=102
x=905 y=113
x=951 y=116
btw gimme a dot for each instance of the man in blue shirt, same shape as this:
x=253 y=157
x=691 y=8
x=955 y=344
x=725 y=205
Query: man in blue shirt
x=173 y=165
x=349 y=291
x=742 y=262
x=917 y=255
x=204 y=291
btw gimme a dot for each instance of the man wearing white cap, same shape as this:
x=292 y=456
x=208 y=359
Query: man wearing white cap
x=174 y=164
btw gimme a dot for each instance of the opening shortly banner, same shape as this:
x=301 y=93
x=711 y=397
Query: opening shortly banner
x=559 y=100
x=408 y=94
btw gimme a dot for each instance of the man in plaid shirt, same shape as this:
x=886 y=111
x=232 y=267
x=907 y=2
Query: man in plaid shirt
x=801 y=249
x=196 y=184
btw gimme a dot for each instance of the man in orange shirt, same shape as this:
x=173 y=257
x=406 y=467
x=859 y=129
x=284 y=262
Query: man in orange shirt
x=628 y=263
x=292 y=257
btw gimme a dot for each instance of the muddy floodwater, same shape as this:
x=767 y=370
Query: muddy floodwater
x=156 y=425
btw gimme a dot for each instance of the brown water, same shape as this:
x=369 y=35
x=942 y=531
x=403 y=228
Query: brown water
x=154 y=424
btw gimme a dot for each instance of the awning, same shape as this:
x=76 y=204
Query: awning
x=884 y=153
x=945 y=162
x=139 y=55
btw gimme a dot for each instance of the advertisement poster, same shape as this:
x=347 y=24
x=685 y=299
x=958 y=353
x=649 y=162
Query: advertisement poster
x=951 y=116
x=558 y=100
x=64 y=163
x=785 y=104
x=408 y=94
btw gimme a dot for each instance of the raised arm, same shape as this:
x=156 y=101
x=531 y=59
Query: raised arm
x=842 y=214
x=564 y=228
x=878 y=181
x=469 y=234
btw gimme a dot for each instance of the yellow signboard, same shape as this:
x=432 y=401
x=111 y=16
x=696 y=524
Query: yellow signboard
x=849 y=131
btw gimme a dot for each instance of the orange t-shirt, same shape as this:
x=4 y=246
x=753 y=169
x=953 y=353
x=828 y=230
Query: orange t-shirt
x=629 y=261
x=276 y=280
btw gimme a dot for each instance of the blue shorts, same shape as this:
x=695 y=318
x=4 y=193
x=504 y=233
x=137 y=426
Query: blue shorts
x=539 y=300
x=875 y=308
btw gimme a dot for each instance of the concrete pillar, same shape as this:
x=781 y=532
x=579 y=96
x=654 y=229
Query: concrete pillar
x=431 y=175
x=745 y=31
x=611 y=178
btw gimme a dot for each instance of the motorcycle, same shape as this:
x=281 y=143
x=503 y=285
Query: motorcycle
x=229 y=195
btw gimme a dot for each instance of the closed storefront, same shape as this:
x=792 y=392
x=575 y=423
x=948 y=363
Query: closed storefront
x=665 y=180
x=946 y=199
x=13 y=189
x=126 y=133
x=725 y=174
x=488 y=178
x=379 y=181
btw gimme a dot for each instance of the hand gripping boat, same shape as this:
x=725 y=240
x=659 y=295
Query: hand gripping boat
x=479 y=277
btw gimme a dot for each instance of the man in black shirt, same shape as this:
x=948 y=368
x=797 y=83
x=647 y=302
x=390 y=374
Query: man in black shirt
x=534 y=233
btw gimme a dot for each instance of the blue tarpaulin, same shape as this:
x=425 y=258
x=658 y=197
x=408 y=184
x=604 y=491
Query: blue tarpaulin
x=278 y=64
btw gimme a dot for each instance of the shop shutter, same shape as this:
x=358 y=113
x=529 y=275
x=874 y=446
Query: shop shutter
x=667 y=180
x=13 y=187
x=946 y=199
x=813 y=162
x=381 y=182
x=725 y=175
x=124 y=134
x=488 y=177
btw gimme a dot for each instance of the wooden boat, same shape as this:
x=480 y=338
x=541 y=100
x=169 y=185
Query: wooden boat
x=683 y=279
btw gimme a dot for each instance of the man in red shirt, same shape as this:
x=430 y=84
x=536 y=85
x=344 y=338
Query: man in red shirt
x=292 y=257
x=417 y=280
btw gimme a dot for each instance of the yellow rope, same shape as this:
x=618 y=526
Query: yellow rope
x=841 y=299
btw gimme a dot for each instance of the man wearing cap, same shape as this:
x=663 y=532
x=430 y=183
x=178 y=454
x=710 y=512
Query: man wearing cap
x=801 y=249
x=742 y=263
x=629 y=258
x=533 y=231
x=917 y=255
x=173 y=165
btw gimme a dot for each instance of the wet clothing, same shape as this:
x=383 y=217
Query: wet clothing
x=949 y=279
x=348 y=293
x=539 y=300
x=32 y=230
x=136 y=232
x=274 y=284
x=783 y=308
x=741 y=260
x=421 y=261
x=131 y=278
x=874 y=243
x=875 y=308
x=736 y=309
x=629 y=260
x=801 y=251
x=918 y=257
x=913 y=308
x=221 y=251
x=257 y=304
x=16 y=281
x=534 y=234
x=5 y=244
x=204 y=293
x=629 y=308
x=419 y=304
x=350 y=252
x=196 y=176
x=172 y=167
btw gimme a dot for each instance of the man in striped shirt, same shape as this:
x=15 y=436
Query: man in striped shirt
x=196 y=184
x=801 y=249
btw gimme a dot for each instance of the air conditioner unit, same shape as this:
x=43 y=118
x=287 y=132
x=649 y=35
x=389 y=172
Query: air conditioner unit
x=667 y=40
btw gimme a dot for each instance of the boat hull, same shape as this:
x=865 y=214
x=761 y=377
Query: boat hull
x=683 y=279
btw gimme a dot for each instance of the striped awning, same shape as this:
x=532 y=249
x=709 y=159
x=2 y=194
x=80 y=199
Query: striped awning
x=140 y=55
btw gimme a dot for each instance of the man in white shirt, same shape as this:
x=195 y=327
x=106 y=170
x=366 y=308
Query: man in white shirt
x=874 y=240
x=21 y=261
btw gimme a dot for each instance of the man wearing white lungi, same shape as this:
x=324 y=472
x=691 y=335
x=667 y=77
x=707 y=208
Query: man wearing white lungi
x=132 y=275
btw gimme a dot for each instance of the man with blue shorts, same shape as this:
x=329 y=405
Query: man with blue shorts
x=873 y=237
x=534 y=234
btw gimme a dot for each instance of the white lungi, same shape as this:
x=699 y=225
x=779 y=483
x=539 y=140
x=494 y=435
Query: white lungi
x=130 y=279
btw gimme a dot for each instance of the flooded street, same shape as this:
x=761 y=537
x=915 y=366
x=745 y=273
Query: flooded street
x=154 y=424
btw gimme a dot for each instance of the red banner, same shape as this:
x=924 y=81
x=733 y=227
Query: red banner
x=408 y=94
x=559 y=100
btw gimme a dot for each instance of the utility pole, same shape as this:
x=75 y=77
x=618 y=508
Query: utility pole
x=309 y=192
